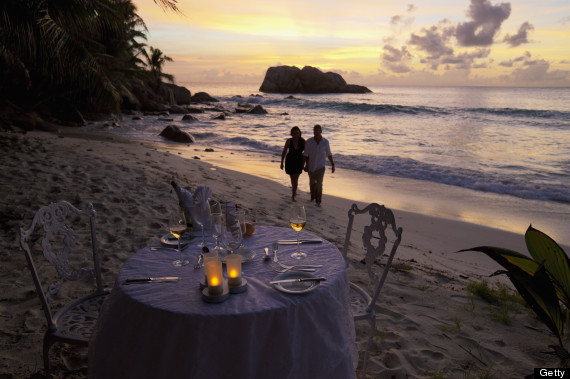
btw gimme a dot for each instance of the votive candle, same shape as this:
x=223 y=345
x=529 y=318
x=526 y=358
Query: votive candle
x=215 y=277
x=211 y=256
x=233 y=263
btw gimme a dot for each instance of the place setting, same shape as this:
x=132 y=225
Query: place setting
x=298 y=278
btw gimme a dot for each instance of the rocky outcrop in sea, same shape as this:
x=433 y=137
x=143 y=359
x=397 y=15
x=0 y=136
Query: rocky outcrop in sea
x=291 y=79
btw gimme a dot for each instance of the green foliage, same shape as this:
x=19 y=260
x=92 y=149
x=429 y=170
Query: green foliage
x=543 y=280
x=499 y=294
x=507 y=300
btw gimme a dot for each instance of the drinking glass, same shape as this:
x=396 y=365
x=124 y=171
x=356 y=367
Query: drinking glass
x=202 y=217
x=217 y=222
x=177 y=226
x=233 y=237
x=297 y=220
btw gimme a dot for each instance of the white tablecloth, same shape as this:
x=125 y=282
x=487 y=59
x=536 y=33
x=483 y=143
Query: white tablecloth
x=166 y=330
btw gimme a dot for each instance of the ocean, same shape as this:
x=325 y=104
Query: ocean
x=512 y=142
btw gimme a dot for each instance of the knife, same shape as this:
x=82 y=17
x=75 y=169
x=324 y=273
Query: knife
x=294 y=242
x=296 y=280
x=151 y=280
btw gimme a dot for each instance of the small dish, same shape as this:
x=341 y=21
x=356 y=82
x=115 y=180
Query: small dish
x=295 y=288
x=170 y=240
x=246 y=253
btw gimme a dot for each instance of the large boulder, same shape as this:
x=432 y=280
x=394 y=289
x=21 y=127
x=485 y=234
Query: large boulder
x=175 y=94
x=290 y=79
x=173 y=133
x=203 y=97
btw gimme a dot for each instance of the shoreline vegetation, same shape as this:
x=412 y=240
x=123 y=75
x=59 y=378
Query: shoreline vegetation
x=430 y=324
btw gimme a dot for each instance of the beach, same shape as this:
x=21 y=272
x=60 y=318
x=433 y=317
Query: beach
x=428 y=324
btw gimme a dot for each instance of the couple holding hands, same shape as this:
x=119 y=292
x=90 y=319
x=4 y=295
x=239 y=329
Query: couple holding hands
x=310 y=156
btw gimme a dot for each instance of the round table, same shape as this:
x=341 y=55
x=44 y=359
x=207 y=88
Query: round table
x=166 y=330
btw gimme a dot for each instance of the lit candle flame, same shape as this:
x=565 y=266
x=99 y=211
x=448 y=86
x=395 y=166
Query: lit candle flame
x=215 y=281
x=233 y=273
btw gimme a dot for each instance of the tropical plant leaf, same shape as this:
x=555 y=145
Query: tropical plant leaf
x=506 y=258
x=540 y=294
x=533 y=282
x=543 y=248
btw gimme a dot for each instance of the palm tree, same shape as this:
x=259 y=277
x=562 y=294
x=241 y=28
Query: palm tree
x=154 y=62
x=83 y=54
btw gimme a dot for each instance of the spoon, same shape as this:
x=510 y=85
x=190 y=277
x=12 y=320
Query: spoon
x=266 y=257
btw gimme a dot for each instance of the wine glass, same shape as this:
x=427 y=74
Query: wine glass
x=233 y=236
x=202 y=217
x=297 y=220
x=177 y=226
x=217 y=222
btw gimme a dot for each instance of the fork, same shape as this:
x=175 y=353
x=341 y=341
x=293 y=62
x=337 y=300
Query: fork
x=296 y=267
x=283 y=269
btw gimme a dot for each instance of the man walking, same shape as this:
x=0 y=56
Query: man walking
x=316 y=151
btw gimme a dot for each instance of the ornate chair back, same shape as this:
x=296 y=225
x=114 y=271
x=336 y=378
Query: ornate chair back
x=50 y=233
x=374 y=240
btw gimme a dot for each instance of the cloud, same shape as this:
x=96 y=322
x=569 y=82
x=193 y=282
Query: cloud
x=392 y=54
x=537 y=72
x=486 y=22
x=395 y=20
x=512 y=62
x=466 y=60
x=520 y=37
x=396 y=59
x=433 y=41
x=411 y=8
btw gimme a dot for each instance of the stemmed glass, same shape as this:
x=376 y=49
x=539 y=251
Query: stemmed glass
x=297 y=220
x=217 y=222
x=177 y=226
x=202 y=217
x=233 y=237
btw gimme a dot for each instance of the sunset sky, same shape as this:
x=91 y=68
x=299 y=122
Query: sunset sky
x=368 y=42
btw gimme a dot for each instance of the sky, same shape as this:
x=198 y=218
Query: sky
x=368 y=42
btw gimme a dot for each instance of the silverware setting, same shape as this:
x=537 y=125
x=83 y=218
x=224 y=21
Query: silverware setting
x=159 y=248
x=280 y=267
x=284 y=269
x=151 y=280
x=294 y=242
x=297 y=280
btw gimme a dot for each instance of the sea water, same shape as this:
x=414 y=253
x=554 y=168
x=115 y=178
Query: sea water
x=512 y=142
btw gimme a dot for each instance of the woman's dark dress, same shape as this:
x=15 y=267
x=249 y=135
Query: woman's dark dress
x=294 y=158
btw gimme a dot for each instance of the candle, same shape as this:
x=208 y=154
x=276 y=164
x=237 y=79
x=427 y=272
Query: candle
x=211 y=256
x=233 y=262
x=215 y=278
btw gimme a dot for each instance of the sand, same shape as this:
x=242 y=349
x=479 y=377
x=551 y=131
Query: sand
x=429 y=325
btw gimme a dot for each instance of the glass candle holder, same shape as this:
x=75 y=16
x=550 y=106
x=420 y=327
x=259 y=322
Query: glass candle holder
x=233 y=263
x=215 y=277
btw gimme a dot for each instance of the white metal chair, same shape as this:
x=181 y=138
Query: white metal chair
x=72 y=323
x=381 y=219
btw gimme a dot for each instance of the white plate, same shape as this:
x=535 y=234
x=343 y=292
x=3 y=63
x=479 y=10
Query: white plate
x=170 y=240
x=246 y=253
x=295 y=288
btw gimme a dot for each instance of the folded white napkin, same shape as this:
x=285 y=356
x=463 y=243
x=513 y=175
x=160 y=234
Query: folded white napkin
x=201 y=196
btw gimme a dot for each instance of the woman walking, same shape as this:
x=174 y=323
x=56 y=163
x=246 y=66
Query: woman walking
x=293 y=156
